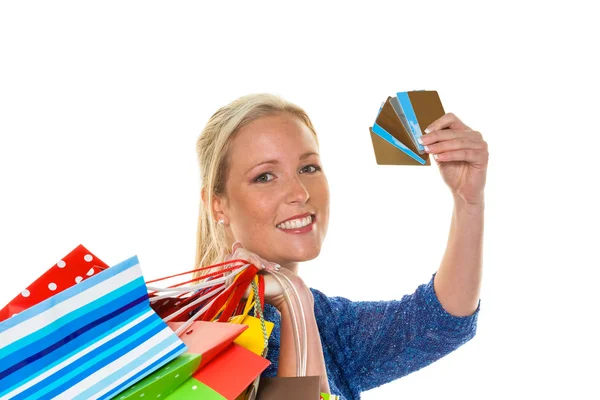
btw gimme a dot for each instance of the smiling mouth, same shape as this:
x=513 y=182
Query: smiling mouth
x=297 y=223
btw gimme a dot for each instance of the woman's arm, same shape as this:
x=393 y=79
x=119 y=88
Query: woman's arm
x=458 y=280
x=315 y=363
x=462 y=156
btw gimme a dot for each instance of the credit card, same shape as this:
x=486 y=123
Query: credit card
x=398 y=109
x=385 y=135
x=413 y=125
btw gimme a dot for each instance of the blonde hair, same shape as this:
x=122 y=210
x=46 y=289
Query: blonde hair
x=212 y=148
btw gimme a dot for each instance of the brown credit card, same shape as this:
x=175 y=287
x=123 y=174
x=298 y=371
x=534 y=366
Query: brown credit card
x=400 y=122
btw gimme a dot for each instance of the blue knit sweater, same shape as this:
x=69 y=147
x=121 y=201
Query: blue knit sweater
x=369 y=343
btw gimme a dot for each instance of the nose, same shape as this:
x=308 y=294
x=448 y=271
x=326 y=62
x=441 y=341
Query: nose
x=297 y=191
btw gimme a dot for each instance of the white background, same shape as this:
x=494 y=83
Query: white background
x=101 y=104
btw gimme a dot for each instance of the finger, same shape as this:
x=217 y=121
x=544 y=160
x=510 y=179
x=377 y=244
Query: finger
x=454 y=144
x=236 y=245
x=448 y=120
x=468 y=155
x=252 y=258
x=271 y=266
x=230 y=275
x=449 y=134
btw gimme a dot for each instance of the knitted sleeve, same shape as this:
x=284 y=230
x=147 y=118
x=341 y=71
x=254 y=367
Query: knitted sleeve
x=381 y=341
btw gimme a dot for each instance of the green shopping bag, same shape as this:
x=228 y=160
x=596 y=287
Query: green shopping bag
x=164 y=381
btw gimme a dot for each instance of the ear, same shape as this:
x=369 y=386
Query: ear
x=219 y=206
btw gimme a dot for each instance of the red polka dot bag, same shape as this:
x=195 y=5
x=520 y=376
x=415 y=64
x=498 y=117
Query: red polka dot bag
x=78 y=265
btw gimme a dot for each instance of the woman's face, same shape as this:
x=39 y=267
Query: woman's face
x=275 y=175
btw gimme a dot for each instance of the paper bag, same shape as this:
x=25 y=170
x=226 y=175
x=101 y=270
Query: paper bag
x=78 y=265
x=293 y=388
x=208 y=338
x=164 y=381
x=229 y=368
x=92 y=340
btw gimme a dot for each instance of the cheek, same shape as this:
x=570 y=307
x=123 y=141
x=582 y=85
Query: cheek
x=320 y=192
x=256 y=210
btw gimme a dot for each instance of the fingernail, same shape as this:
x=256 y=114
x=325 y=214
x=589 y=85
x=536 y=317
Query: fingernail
x=435 y=156
x=420 y=140
x=426 y=148
x=428 y=129
x=277 y=267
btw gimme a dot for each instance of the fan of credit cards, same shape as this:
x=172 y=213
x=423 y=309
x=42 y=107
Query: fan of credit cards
x=400 y=123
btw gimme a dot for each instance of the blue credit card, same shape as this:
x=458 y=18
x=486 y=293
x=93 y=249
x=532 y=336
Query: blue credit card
x=413 y=129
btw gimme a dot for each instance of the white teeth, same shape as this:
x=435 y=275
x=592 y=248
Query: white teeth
x=296 y=223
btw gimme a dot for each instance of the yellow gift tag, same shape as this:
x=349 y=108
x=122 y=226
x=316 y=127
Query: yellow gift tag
x=252 y=338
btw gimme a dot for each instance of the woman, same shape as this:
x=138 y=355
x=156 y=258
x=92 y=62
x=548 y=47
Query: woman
x=265 y=198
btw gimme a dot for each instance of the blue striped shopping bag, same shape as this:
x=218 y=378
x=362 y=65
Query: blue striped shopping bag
x=91 y=341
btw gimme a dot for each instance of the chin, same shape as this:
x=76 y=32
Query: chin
x=300 y=255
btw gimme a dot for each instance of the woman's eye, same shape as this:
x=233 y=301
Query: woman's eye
x=315 y=168
x=261 y=177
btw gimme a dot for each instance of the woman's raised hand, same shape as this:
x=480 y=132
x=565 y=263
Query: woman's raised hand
x=274 y=294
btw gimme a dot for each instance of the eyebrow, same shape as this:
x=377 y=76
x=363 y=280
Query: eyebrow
x=302 y=157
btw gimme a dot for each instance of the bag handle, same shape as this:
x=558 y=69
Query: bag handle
x=250 y=303
x=221 y=297
x=183 y=287
x=229 y=297
x=298 y=320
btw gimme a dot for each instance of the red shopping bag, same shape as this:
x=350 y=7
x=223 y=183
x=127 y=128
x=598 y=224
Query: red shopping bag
x=78 y=265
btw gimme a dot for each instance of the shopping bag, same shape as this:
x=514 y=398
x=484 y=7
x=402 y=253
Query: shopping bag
x=327 y=396
x=252 y=338
x=92 y=340
x=289 y=388
x=230 y=368
x=227 y=368
x=78 y=265
x=164 y=381
x=193 y=389
x=228 y=375
x=208 y=338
